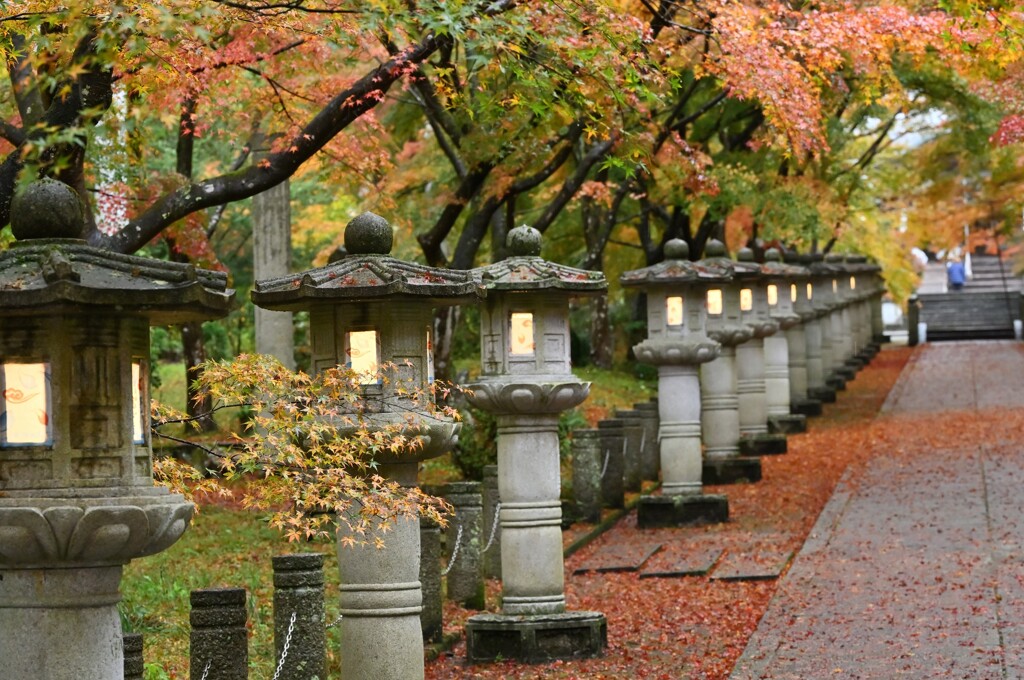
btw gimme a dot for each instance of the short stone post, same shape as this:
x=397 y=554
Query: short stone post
x=465 y=580
x=431 y=616
x=492 y=501
x=633 y=436
x=650 y=463
x=219 y=641
x=299 y=619
x=134 y=661
x=613 y=463
x=587 y=460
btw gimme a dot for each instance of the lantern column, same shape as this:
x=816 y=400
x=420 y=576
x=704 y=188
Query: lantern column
x=526 y=381
x=677 y=344
x=777 y=370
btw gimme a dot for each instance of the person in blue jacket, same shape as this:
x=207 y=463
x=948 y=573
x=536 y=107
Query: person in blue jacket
x=956 y=274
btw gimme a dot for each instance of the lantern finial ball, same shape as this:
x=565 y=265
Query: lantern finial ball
x=714 y=248
x=523 y=241
x=369 y=234
x=773 y=255
x=47 y=208
x=677 y=249
x=745 y=255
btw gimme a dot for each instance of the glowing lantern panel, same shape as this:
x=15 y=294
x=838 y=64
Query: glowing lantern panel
x=773 y=294
x=715 y=301
x=138 y=408
x=362 y=355
x=674 y=311
x=746 y=300
x=521 y=333
x=25 y=417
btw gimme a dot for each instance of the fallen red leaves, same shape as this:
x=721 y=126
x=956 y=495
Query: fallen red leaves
x=696 y=627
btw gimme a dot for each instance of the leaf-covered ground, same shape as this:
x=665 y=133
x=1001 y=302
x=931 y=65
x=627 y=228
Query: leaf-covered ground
x=696 y=627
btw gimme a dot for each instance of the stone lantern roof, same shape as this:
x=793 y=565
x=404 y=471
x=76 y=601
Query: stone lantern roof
x=777 y=270
x=526 y=271
x=366 y=272
x=677 y=269
x=715 y=255
x=51 y=267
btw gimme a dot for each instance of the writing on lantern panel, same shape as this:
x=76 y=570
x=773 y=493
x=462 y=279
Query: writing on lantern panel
x=521 y=335
x=25 y=418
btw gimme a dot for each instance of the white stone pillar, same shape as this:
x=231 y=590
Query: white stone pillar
x=679 y=433
x=271 y=258
x=720 y=416
x=750 y=388
x=776 y=374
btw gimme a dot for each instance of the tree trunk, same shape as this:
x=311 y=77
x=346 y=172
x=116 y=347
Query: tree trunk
x=602 y=339
x=199 y=402
x=446 y=320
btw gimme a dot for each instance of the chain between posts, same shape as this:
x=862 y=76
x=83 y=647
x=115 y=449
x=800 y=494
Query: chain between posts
x=607 y=455
x=334 y=623
x=287 y=644
x=455 y=552
x=206 y=671
x=494 y=527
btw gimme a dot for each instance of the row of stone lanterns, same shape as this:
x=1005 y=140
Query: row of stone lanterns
x=76 y=464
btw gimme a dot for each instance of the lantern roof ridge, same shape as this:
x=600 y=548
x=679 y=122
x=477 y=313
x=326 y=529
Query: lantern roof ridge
x=44 y=272
x=367 y=276
x=532 y=272
x=671 y=271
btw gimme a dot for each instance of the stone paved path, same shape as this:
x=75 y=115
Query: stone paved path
x=915 y=569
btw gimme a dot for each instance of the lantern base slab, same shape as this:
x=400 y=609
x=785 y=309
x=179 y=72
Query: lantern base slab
x=656 y=512
x=836 y=382
x=855 y=363
x=763 y=445
x=791 y=423
x=736 y=470
x=808 y=408
x=826 y=395
x=537 y=638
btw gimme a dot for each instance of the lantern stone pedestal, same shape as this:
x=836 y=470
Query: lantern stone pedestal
x=526 y=381
x=77 y=500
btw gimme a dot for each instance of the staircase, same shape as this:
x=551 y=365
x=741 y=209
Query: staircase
x=985 y=308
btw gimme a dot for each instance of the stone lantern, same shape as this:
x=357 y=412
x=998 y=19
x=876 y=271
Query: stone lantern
x=798 y=337
x=842 y=330
x=677 y=344
x=367 y=309
x=720 y=418
x=77 y=500
x=819 y=332
x=783 y=284
x=750 y=365
x=526 y=381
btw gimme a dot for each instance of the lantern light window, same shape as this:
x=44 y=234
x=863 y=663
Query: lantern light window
x=746 y=299
x=853 y=283
x=810 y=291
x=835 y=286
x=674 y=310
x=138 y=406
x=361 y=355
x=773 y=294
x=521 y=334
x=715 y=301
x=25 y=414
x=792 y=292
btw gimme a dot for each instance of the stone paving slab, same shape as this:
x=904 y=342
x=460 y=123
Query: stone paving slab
x=619 y=557
x=682 y=559
x=915 y=568
x=761 y=564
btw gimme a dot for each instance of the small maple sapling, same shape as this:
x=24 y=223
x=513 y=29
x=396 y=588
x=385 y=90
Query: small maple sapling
x=314 y=445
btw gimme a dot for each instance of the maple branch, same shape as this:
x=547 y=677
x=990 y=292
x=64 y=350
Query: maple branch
x=277 y=8
x=431 y=241
x=441 y=122
x=573 y=183
x=344 y=109
x=26 y=94
x=12 y=133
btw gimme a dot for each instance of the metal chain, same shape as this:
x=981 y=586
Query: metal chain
x=287 y=644
x=334 y=623
x=455 y=552
x=494 y=528
x=643 y=438
x=206 y=671
x=607 y=455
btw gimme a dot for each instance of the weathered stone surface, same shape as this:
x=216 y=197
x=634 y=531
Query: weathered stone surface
x=587 y=459
x=675 y=511
x=737 y=470
x=219 y=641
x=619 y=557
x=757 y=565
x=613 y=443
x=465 y=580
x=299 y=593
x=47 y=208
x=492 y=525
x=134 y=663
x=536 y=639
x=682 y=559
x=431 y=617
